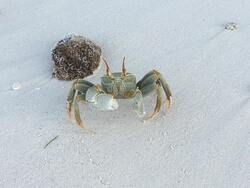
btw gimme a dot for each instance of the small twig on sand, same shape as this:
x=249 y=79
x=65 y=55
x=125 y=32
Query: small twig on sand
x=50 y=141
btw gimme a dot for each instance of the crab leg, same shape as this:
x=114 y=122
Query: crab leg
x=150 y=87
x=167 y=91
x=146 y=79
x=77 y=112
x=77 y=93
x=70 y=100
x=153 y=77
x=85 y=91
x=158 y=102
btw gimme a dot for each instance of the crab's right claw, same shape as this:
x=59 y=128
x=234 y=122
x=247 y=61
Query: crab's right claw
x=138 y=105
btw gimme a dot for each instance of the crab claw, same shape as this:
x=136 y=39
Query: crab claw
x=105 y=102
x=100 y=100
x=138 y=105
x=91 y=94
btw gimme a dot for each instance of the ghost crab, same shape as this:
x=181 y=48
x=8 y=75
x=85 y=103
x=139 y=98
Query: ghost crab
x=119 y=85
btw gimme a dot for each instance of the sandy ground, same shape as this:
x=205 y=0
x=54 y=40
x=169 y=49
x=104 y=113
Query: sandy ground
x=203 y=142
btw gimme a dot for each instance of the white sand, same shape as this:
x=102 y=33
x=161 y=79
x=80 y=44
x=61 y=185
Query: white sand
x=203 y=142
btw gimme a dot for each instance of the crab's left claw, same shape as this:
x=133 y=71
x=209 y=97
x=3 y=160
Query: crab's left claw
x=138 y=105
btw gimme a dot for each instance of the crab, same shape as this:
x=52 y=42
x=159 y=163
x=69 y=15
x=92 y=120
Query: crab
x=119 y=85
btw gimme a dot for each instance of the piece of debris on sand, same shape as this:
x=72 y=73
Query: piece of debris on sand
x=75 y=57
x=231 y=26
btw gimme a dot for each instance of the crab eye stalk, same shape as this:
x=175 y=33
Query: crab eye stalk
x=124 y=71
x=108 y=71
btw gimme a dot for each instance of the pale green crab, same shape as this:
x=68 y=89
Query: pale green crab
x=119 y=85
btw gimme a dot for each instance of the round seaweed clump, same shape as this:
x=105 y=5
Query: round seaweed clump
x=75 y=57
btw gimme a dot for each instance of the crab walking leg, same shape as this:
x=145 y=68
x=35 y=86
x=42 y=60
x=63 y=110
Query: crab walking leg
x=84 y=91
x=70 y=100
x=84 y=82
x=149 y=88
x=152 y=77
x=79 y=87
x=158 y=102
x=167 y=91
x=148 y=78
x=77 y=112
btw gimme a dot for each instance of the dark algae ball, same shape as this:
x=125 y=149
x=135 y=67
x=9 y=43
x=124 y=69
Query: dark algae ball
x=75 y=57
